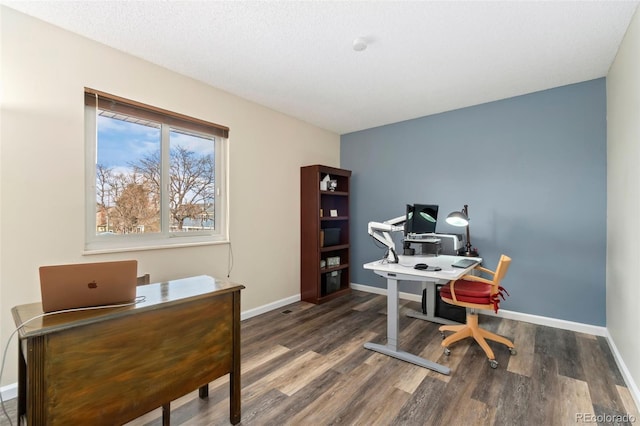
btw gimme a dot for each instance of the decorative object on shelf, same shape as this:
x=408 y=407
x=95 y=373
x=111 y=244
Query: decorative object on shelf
x=324 y=183
x=461 y=218
x=333 y=281
x=334 y=213
x=323 y=263
x=332 y=184
x=333 y=261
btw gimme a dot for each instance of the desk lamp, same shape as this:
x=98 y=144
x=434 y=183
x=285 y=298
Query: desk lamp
x=461 y=218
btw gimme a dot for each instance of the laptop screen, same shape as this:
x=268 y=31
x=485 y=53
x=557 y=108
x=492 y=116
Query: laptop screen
x=87 y=284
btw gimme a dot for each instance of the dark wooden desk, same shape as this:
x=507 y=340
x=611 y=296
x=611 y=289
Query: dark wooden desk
x=109 y=366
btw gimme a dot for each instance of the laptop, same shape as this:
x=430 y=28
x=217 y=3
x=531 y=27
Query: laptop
x=87 y=284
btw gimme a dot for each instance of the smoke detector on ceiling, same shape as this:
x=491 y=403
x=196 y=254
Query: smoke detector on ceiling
x=359 y=44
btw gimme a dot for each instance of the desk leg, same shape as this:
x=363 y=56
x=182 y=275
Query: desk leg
x=22 y=383
x=203 y=391
x=393 y=314
x=166 y=414
x=391 y=348
x=234 y=377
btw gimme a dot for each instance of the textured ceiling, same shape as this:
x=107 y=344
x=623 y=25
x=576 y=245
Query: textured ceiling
x=296 y=57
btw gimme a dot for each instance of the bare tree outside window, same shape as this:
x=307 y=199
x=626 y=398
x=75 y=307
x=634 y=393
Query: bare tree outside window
x=154 y=178
x=128 y=200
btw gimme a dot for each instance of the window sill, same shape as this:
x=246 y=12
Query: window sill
x=156 y=245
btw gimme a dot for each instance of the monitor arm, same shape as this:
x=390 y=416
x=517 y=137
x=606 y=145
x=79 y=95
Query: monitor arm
x=380 y=232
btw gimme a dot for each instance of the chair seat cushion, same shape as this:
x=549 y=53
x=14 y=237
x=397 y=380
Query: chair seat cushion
x=474 y=292
x=469 y=292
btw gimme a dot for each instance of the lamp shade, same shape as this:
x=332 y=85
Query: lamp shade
x=457 y=219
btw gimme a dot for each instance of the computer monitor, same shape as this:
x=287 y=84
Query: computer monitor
x=421 y=219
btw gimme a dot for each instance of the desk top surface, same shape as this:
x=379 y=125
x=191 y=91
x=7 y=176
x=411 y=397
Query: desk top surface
x=156 y=296
x=404 y=269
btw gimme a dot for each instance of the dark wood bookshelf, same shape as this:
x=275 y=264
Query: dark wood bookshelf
x=321 y=284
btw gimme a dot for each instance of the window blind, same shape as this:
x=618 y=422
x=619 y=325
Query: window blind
x=117 y=104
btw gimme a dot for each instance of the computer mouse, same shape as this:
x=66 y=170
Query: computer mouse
x=421 y=266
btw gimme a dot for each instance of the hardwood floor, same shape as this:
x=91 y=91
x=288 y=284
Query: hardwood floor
x=306 y=365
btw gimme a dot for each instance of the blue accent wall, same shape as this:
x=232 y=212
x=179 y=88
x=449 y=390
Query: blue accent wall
x=532 y=170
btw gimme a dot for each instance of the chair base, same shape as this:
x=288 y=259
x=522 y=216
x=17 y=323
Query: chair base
x=471 y=329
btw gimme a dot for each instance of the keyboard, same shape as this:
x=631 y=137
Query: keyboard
x=464 y=263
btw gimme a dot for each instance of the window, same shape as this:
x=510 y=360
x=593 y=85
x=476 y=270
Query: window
x=154 y=178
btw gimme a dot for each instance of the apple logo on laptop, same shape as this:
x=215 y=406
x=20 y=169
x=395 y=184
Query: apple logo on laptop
x=93 y=284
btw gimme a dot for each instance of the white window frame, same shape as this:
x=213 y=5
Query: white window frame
x=95 y=244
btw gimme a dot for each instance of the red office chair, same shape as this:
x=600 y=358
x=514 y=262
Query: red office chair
x=474 y=292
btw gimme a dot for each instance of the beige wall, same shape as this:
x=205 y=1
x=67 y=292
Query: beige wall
x=623 y=200
x=44 y=70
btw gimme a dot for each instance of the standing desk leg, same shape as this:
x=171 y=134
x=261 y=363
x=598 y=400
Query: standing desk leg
x=391 y=348
x=393 y=314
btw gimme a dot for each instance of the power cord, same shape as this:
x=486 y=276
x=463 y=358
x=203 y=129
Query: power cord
x=230 y=262
x=137 y=300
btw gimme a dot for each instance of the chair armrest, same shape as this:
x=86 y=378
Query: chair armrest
x=485 y=270
x=477 y=279
x=452 y=289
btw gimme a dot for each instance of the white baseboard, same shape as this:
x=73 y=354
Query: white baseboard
x=534 y=319
x=552 y=322
x=9 y=392
x=631 y=384
x=269 y=307
x=540 y=320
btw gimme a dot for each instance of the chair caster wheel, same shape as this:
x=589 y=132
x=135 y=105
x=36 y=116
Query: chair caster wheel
x=442 y=335
x=447 y=351
x=513 y=351
x=493 y=363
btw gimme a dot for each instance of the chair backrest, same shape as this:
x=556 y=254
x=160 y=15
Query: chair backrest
x=501 y=269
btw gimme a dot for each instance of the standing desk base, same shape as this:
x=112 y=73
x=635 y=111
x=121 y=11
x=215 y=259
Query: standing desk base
x=438 y=320
x=406 y=356
x=394 y=272
x=391 y=348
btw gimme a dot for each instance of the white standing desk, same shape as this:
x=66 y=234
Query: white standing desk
x=404 y=271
